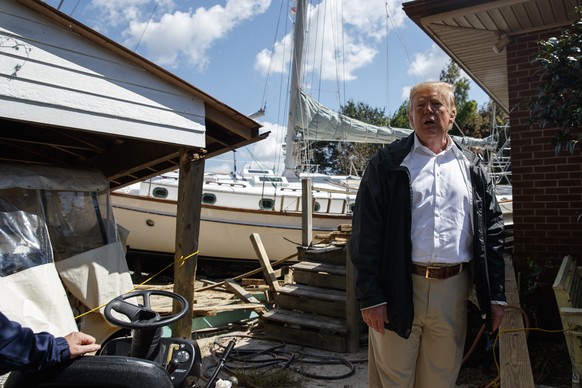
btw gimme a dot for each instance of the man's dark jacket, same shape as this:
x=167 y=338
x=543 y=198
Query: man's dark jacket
x=20 y=348
x=380 y=245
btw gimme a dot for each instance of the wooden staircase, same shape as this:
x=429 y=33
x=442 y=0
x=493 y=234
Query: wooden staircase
x=317 y=307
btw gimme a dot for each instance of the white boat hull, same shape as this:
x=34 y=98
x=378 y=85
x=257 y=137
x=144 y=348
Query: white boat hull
x=224 y=232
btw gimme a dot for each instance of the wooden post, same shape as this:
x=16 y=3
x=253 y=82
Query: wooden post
x=270 y=276
x=513 y=352
x=354 y=320
x=191 y=178
x=306 y=212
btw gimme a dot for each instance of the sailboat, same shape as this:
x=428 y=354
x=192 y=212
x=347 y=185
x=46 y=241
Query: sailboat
x=258 y=200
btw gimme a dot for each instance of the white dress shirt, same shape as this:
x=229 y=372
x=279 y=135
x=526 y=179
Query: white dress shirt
x=442 y=228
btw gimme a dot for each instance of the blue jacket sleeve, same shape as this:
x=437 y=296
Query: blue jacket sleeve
x=21 y=348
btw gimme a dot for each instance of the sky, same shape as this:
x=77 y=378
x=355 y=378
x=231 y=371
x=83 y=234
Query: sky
x=238 y=51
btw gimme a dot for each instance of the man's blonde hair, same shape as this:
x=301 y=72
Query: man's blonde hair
x=445 y=87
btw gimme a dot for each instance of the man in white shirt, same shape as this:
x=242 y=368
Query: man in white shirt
x=426 y=226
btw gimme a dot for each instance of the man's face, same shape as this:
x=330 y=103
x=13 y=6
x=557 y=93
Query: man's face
x=429 y=115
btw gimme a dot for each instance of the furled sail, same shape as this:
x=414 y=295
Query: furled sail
x=316 y=122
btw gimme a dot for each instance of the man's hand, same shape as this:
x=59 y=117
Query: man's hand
x=375 y=317
x=81 y=343
x=497 y=311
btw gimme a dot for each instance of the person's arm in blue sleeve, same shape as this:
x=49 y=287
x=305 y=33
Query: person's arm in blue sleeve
x=21 y=348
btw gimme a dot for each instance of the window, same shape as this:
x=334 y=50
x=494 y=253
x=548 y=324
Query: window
x=160 y=192
x=208 y=199
x=266 y=204
x=270 y=179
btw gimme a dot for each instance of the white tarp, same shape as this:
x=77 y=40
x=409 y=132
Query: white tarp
x=94 y=278
x=50 y=178
x=36 y=298
x=56 y=221
x=318 y=123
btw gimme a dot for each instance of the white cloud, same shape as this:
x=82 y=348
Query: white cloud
x=266 y=153
x=118 y=13
x=337 y=53
x=178 y=34
x=427 y=66
x=405 y=94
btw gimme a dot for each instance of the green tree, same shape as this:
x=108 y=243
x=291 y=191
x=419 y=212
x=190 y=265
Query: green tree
x=452 y=74
x=344 y=157
x=399 y=119
x=559 y=99
x=468 y=121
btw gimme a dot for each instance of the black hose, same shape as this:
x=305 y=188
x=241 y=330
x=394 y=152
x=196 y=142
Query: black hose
x=221 y=362
x=276 y=357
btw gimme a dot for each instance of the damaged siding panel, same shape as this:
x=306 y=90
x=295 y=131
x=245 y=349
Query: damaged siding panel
x=53 y=71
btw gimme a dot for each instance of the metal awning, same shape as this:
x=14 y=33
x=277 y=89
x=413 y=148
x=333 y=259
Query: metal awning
x=468 y=30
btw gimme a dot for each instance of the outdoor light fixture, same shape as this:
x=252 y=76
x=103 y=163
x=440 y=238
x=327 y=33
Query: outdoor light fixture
x=501 y=43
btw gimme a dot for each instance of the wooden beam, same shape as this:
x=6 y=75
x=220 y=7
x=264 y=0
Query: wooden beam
x=306 y=212
x=246 y=274
x=514 y=359
x=187 y=232
x=265 y=263
x=239 y=291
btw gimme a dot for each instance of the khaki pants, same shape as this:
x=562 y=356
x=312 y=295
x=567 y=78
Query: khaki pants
x=431 y=357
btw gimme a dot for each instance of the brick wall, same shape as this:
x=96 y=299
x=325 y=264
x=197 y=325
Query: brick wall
x=547 y=189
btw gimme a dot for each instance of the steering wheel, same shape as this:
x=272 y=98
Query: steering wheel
x=142 y=316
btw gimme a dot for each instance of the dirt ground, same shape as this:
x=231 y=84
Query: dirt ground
x=548 y=354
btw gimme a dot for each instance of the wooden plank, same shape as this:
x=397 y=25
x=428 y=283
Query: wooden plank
x=265 y=263
x=304 y=337
x=313 y=300
x=562 y=282
x=214 y=310
x=514 y=358
x=320 y=267
x=331 y=255
x=306 y=212
x=191 y=177
x=300 y=290
x=249 y=273
x=312 y=321
x=353 y=315
x=240 y=292
x=309 y=305
x=318 y=279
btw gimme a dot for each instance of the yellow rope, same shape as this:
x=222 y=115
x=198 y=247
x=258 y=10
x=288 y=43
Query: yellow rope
x=494 y=383
x=180 y=262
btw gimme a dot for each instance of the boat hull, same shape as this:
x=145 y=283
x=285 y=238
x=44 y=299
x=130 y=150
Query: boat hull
x=224 y=232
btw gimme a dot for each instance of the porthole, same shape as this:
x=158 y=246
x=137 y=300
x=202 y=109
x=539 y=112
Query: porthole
x=352 y=206
x=317 y=206
x=160 y=192
x=208 y=199
x=266 y=204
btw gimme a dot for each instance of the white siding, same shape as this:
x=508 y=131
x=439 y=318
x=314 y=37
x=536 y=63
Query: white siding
x=51 y=75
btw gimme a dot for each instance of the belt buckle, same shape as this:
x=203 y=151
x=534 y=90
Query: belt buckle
x=427 y=272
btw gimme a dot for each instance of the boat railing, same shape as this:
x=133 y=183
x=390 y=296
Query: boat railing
x=227 y=184
x=327 y=205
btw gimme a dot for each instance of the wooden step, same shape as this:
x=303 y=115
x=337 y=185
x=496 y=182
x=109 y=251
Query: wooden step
x=306 y=320
x=319 y=275
x=312 y=299
x=330 y=255
x=321 y=332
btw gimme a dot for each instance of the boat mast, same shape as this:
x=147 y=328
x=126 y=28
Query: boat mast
x=293 y=140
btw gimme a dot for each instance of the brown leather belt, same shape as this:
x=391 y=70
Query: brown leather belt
x=434 y=272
